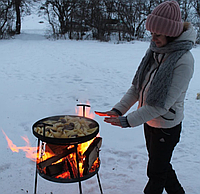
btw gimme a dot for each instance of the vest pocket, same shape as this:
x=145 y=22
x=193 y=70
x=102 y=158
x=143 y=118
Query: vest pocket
x=170 y=115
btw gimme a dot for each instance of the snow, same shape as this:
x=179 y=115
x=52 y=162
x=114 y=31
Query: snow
x=40 y=78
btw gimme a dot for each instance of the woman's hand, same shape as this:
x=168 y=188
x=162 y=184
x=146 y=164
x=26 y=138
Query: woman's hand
x=111 y=117
x=110 y=113
x=113 y=121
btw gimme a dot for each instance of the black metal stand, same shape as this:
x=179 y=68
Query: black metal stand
x=35 y=189
x=77 y=162
x=99 y=183
x=77 y=159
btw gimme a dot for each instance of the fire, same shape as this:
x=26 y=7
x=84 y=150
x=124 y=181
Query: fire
x=43 y=154
x=81 y=149
x=86 y=107
x=30 y=151
x=84 y=146
x=72 y=157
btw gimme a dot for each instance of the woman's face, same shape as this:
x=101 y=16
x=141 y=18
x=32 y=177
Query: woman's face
x=160 y=40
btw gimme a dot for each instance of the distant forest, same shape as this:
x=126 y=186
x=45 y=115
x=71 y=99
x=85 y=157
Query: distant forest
x=91 y=19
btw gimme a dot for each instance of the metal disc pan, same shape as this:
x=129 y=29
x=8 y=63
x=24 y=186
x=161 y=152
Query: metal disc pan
x=73 y=140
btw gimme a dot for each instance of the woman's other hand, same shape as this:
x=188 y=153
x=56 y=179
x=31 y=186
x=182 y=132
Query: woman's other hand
x=113 y=121
x=110 y=113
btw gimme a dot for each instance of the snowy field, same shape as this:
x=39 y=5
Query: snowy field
x=40 y=78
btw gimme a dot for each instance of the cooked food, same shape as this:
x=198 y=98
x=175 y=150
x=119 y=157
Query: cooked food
x=66 y=127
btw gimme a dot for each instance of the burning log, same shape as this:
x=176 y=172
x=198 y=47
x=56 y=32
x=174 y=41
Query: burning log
x=57 y=149
x=55 y=169
x=91 y=154
x=72 y=167
x=69 y=170
x=54 y=159
x=67 y=165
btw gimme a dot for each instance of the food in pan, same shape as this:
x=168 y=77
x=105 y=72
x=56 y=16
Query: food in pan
x=66 y=127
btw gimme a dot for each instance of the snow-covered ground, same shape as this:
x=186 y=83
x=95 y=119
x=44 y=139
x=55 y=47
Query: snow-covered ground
x=40 y=78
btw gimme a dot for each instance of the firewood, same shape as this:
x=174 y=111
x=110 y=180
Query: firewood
x=70 y=169
x=53 y=159
x=73 y=166
x=91 y=154
x=56 y=149
x=55 y=169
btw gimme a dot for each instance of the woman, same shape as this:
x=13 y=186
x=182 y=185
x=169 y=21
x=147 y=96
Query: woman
x=159 y=86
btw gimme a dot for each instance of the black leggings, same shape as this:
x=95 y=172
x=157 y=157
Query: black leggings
x=160 y=144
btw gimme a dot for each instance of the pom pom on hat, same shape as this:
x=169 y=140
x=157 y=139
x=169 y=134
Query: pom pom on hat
x=165 y=19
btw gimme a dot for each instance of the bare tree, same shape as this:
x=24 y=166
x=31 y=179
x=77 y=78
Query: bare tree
x=21 y=7
x=17 y=4
x=6 y=17
x=102 y=18
x=196 y=5
x=196 y=20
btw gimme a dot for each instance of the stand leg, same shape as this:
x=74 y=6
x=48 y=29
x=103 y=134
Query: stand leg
x=35 y=190
x=36 y=174
x=99 y=183
x=77 y=161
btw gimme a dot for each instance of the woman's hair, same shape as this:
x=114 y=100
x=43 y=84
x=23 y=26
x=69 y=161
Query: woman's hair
x=170 y=39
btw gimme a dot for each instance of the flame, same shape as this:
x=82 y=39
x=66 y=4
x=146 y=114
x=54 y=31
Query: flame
x=81 y=150
x=44 y=156
x=84 y=146
x=35 y=154
x=64 y=175
x=38 y=154
x=30 y=151
x=88 y=114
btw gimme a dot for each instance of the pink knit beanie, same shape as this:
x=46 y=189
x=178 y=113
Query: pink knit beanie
x=165 y=19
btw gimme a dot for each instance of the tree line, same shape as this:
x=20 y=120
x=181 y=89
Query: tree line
x=91 y=19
